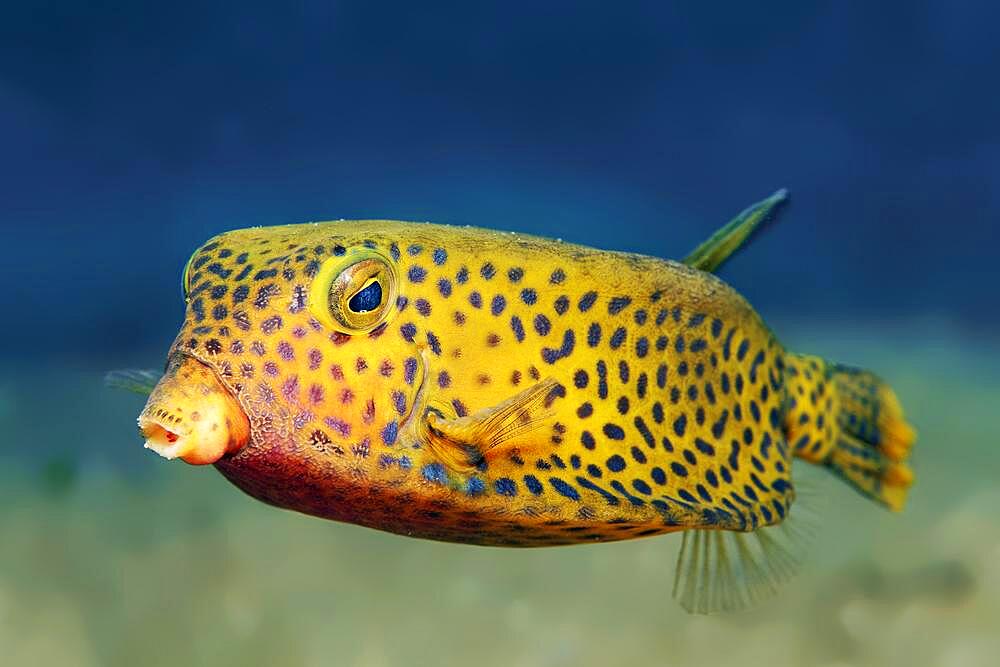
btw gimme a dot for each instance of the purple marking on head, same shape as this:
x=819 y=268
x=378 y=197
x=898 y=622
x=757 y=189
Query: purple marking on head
x=264 y=295
x=290 y=389
x=285 y=350
x=271 y=324
x=390 y=432
x=340 y=426
x=302 y=419
x=409 y=370
x=298 y=301
x=242 y=320
x=315 y=359
x=399 y=402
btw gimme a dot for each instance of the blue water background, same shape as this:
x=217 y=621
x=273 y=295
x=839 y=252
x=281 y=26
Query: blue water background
x=132 y=132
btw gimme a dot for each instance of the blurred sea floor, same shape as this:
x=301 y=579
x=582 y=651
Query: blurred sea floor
x=109 y=556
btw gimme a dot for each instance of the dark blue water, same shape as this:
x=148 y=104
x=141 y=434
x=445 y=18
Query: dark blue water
x=131 y=132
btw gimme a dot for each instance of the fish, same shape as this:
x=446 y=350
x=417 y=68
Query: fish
x=494 y=388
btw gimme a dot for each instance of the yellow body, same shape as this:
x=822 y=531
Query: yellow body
x=509 y=390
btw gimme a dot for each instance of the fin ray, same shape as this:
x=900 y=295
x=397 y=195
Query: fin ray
x=725 y=571
x=135 y=380
x=463 y=441
x=714 y=252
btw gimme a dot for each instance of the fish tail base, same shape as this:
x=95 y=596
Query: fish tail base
x=850 y=421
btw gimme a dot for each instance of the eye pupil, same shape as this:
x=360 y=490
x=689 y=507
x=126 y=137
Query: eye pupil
x=367 y=299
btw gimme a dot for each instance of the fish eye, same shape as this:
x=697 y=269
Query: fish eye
x=368 y=299
x=357 y=291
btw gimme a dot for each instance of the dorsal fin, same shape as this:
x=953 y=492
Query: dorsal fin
x=714 y=252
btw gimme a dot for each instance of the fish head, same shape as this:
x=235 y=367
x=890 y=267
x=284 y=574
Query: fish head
x=281 y=359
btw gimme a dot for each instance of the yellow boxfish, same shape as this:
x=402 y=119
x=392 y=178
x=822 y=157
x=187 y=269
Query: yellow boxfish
x=492 y=388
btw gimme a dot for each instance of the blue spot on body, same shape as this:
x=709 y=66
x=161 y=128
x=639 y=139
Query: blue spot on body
x=641 y=487
x=594 y=334
x=704 y=447
x=587 y=484
x=390 y=432
x=618 y=304
x=587 y=301
x=435 y=472
x=505 y=486
x=617 y=338
x=533 y=484
x=680 y=424
x=517 y=327
x=498 y=305
x=620 y=488
x=563 y=488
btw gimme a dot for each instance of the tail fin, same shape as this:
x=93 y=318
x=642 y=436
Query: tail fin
x=850 y=421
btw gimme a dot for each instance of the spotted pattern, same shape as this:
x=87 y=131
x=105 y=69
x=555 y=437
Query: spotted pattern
x=670 y=408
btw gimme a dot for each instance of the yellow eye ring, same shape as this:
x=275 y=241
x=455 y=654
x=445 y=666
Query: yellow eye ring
x=354 y=293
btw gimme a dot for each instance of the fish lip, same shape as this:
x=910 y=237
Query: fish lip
x=166 y=433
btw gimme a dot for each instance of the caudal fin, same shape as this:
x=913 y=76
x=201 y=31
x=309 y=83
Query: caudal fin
x=850 y=421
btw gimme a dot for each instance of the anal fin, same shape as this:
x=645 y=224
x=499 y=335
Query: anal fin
x=725 y=571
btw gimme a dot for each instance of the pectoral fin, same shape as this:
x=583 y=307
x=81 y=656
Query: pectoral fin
x=135 y=380
x=714 y=252
x=522 y=421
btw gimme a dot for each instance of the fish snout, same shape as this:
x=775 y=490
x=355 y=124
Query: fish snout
x=192 y=416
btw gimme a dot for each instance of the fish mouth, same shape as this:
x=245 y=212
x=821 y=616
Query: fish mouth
x=162 y=431
x=191 y=415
